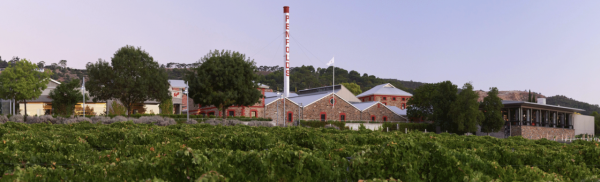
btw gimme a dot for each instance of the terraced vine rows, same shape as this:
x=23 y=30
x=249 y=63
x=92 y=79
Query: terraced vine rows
x=127 y=151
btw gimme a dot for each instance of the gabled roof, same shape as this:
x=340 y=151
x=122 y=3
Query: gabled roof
x=364 y=105
x=178 y=83
x=384 y=89
x=401 y=112
x=274 y=94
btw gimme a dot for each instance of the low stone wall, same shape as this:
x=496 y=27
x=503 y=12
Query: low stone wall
x=537 y=132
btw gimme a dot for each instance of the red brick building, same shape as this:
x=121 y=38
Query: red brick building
x=386 y=94
x=323 y=103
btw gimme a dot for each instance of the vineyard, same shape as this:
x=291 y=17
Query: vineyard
x=124 y=151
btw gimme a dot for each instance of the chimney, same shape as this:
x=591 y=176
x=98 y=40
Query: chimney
x=286 y=73
x=541 y=101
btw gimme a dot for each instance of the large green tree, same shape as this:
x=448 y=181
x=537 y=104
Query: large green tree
x=443 y=97
x=21 y=82
x=464 y=111
x=353 y=87
x=420 y=105
x=492 y=111
x=224 y=79
x=432 y=102
x=65 y=96
x=132 y=77
x=596 y=122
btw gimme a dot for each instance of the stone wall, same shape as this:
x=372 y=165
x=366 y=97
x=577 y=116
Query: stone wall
x=379 y=111
x=271 y=110
x=536 y=132
x=313 y=111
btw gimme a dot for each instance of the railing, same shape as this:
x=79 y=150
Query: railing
x=547 y=124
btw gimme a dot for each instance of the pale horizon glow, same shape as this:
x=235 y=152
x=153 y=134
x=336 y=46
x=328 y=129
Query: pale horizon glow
x=551 y=47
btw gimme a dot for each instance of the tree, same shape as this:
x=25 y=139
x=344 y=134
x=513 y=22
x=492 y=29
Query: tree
x=3 y=63
x=492 y=111
x=353 y=87
x=596 y=122
x=132 y=77
x=166 y=106
x=66 y=96
x=41 y=64
x=63 y=63
x=22 y=82
x=443 y=97
x=117 y=109
x=224 y=78
x=420 y=106
x=54 y=65
x=464 y=111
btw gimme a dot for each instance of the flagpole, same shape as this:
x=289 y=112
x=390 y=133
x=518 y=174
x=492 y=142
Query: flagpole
x=333 y=86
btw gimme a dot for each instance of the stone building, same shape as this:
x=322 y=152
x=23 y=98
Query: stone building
x=329 y=103
x=540 y=120
x=386 y=94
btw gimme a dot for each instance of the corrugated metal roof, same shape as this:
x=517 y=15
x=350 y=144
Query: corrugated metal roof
x=274 y=94
x=307 y=99
x=384 y=89
x=364 y=105
x=506 y=102
x=397 y=110
x=178 y=83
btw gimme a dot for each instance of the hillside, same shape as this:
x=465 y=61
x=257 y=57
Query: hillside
x=515 y=95
x=569 y=102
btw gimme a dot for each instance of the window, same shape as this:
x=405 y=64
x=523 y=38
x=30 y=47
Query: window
x=253 y=114
x=385 y=118
x=384 y=103
x=373 y=117
x=332 y=101
x=323 y=116
x=403 y=99
x=290 y=116
x=231 y=113
x=384 y=98
x=342 y=116
x=211 y=113
x=403 y=106
x=393 y=98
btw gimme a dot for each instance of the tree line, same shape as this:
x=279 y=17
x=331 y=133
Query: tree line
x=456 y=111
x=305 y=77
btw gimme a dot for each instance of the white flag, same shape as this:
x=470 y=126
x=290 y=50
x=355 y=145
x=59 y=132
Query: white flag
x=330 y=62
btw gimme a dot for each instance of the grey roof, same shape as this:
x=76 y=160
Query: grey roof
x=274 y=94
x=364 y=105
x=178 y=83
x=306 y=99
x=270 y=100
x=384 y=89
x=397 y=110
x=510 y=102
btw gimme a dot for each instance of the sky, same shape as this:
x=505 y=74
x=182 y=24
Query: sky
x=550 y=47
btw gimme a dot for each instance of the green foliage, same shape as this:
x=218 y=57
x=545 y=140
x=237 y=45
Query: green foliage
x=353 y=87
x=65 y=96
x=117 y=109
x=310 y=77
x=464 y=111
x=596 y=122
x=131 y=77
x=124 y=151
x=223 y=79
x=492 y=111
x=166 y=106
x=23 y=82
x=436 y=97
